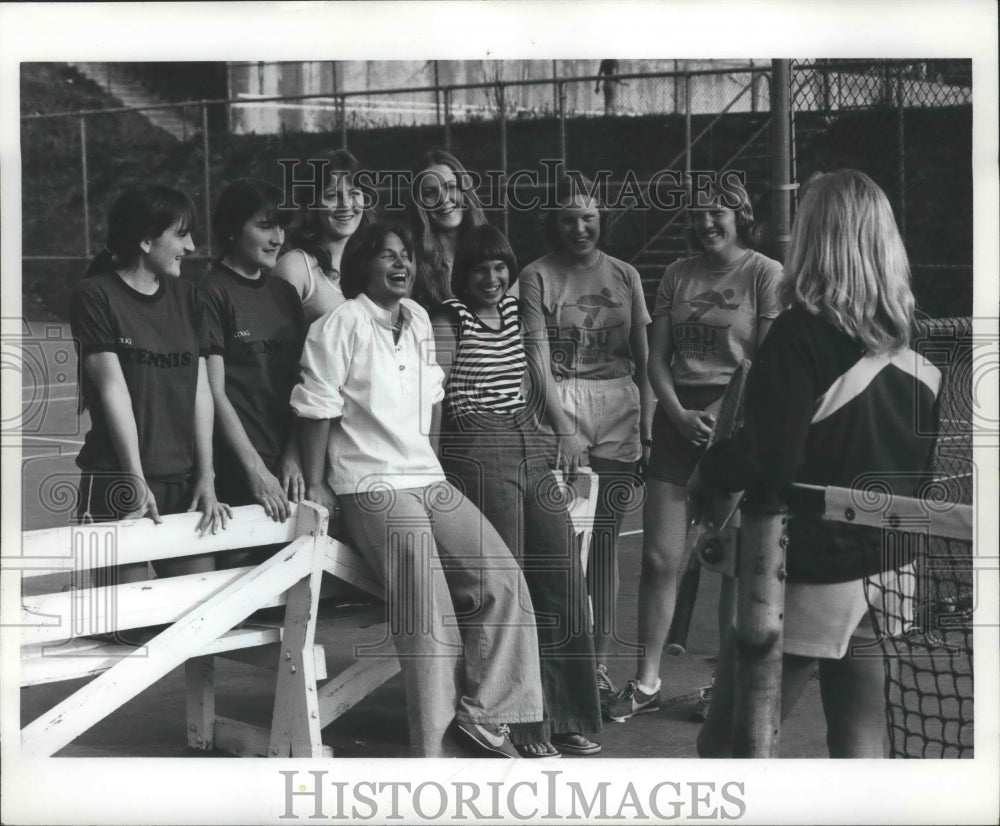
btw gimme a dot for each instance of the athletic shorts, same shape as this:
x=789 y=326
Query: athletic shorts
x=821 y=619
x=107 y=496
x=674 y=458
x=606 y=415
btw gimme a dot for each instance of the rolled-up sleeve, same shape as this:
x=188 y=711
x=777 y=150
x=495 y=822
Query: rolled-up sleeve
x=326 y=359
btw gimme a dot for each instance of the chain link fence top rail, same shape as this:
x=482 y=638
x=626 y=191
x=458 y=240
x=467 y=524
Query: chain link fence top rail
x=74 y=162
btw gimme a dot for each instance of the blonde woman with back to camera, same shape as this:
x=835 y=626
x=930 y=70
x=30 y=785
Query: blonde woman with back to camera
x=851 y=394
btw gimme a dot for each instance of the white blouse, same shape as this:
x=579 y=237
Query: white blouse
x=382 y=391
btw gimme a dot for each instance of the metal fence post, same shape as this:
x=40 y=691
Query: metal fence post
x=502 y=102
x=759 y=633
x=562 y=122
x=688 y=183
x=437 y=94
x=781 y=105
x=447 y=118
x=901 y=142
x=555 y=87
x=343 y=121
x=687 y=135
x=86 y=187
x=206 y=168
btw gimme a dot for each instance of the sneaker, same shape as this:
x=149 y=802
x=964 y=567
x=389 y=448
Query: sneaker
x=491 y=738
x=704 y=701
x=631 y=700
x=606 y=689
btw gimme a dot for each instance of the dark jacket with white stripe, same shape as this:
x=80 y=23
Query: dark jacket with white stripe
x=822 y=412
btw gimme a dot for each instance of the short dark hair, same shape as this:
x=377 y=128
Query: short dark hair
x=137 y=214
x=239 y=202
x=568 y=185
x=482 y=243
x=364 y=245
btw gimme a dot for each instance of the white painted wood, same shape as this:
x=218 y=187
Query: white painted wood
x=120 y=607
x=82 y=547
x=295 y=726
x=241 y=739
x=199 y=683
x=188 y=636
x=86 y=657
x=345 y=562
x=352 y=685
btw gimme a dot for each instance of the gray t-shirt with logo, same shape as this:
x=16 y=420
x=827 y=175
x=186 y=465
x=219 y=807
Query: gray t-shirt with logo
x=714 y=313
x=589 y=314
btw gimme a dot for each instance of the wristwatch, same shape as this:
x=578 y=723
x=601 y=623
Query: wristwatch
x=646 y=442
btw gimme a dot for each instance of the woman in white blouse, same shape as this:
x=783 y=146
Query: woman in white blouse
x=368 y=400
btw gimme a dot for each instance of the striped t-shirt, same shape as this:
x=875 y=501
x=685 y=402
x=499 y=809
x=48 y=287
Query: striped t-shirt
x=489 y=364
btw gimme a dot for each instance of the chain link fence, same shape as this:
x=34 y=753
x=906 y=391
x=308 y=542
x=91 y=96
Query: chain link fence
x=907 y=123
x=885 y=117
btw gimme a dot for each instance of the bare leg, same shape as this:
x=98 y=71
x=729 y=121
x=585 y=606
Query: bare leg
x=664 y=529
x=852 y=691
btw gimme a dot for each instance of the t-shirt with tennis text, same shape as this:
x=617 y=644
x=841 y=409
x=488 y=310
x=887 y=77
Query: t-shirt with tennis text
x=258 y=327
x=588 y=314
x=158 y=339
x=714 y=313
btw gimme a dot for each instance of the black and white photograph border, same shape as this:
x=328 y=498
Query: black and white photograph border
x=153 y=790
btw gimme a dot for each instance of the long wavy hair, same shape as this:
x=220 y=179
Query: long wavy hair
x=433 y=279
x=306 y=232
x=137 y=214
x=846 y=261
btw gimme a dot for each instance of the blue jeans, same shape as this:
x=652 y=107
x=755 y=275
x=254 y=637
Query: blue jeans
x=503 y=465
x=467 y=643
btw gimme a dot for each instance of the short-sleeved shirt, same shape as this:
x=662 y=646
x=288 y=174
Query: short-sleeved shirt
x=318 y=292
x=589 y=314
x=158 y=339
x=257 y=326
x=382 y=391
x=489 y=363
x=714 y=313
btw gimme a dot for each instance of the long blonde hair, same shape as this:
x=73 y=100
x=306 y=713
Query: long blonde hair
x=846 y=261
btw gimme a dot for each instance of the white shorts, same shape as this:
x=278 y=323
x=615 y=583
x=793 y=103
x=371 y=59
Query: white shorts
x=821 y=619
x=605 y=414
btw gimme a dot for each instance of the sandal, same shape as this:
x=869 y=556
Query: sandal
x=543 y=749
x=574 y=743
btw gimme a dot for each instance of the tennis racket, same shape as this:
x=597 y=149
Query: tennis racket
x=707 y=520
